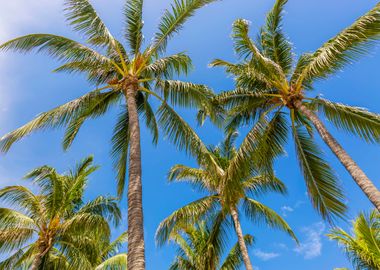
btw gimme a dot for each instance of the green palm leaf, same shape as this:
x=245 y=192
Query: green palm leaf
x=342 y=49
x=355 y=120
x=134 y=24
x=323 y=187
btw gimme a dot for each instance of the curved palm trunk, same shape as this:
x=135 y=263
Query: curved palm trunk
x=357 y=174
x=242 y=245
x=136 y=247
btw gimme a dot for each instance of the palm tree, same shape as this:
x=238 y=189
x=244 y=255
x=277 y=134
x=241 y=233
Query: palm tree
x=201 y=247
x=363 y=245
x=40 y=228
x=229 y=182
x=268 y=82
x=100 y=253
x=131 y=74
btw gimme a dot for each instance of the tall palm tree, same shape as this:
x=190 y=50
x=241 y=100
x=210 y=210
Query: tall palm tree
x=229 y=182
x=363 y=245
x=131 y=74
x=40 y=228
x=201 y=247
x=268 y=82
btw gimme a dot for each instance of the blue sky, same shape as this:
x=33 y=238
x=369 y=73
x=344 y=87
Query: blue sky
x=28 y=87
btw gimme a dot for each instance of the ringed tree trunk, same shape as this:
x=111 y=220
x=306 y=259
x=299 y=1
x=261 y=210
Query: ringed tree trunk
x=357 y=174
x=136 y=246
x=42 y=250
x=242 y=245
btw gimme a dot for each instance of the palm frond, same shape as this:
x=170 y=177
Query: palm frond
x=355 y=120
x=118 y=261
x=97 y=106
x=84 y=19
x=257 y=212
x=186 y=214
x=57 y=117
x=173 y=20
x=134 y=24
x=273 y=41
x=120 y=146
x=347 y=46
x=234 y=259
x=59 y=47
x=169 y=66
x=322 y=185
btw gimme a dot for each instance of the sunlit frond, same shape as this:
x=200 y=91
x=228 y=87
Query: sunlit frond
x=323 y=187
x=134 y=24
x=347 y=46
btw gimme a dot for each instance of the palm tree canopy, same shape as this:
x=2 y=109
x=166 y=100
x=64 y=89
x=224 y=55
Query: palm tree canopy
x=362 y=246
x=269 y=82
x=203 y=246
x=56 y=219
x=111 y=65
x=229 y=182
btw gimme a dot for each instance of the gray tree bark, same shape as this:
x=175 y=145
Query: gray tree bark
x=242 y=245
x=136 y=246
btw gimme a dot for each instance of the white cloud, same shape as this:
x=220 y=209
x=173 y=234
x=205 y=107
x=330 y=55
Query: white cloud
x=286 y=209
x=311 y=247
x=265 y=256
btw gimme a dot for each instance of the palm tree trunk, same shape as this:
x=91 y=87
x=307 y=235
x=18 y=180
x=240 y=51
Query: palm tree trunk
x=136 y=246
x=242 y=245
x=357 y=174
x=36 y=262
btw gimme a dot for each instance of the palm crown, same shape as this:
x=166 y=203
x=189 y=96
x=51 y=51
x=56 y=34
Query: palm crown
x=111 y=67
x=55 y=226
x=229 y=180
x=362 y=245
x=269 y=84
x=201 y=246
x=129 y=73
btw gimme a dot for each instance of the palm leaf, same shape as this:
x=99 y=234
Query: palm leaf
x=134 y=24
x=83 y=17
x=355 y=120
x=323 y=187
x=172 y=21
x=256 y=211
x=342 y=49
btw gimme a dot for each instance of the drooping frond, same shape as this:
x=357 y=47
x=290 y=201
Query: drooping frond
x=118 y=261
x=187 y=214
x=120 y=145
x=98 y=106
x=134 y=24
x=181 y=134
x=166 y=67
x=14 y=238
x=146 y=110
x=173 y=20
x=261 y=184
x=199 y=178
x=185 y=94
x=105 y=207
x=323 y=187
x=60 y=116
x=355 y=120
x=10 y=218
x=84 y=19
x=273 y=41
x=258 y=212
x=347 y=46
x=22 y=197
x=56 y=46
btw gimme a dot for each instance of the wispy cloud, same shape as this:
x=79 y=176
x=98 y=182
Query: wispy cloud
x=311 y=247
x=286 y=209
x=265 y=256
